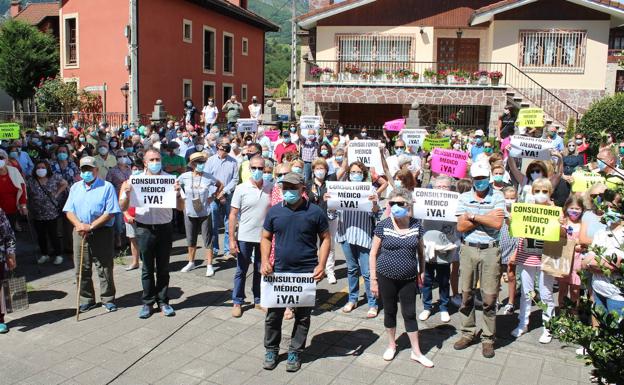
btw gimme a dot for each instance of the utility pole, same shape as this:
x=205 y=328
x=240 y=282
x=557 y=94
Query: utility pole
x=293 y=60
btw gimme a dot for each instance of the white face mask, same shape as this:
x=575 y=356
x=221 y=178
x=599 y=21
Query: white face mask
x=536 y=175
x=157 y=146
x=541 y=197
x=456 y=146
x=2 y=163
x=41 y=172
x=199 y=147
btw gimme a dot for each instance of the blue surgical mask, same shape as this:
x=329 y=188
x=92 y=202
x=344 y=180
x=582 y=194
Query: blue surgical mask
x=338 y=159
x=13 y=154
x=130 y=149
x=398 y=211
x=356 y=177
x=137 y=172
x=498 y=178
x=398 y=184
x=265 y=154
x=62 y=156
x=481 y=184
x=479 y=141
x=199 y=167
x=267 y=177
x=287 y=139
x=291 y=196
x=87 y=176
x=298 y=170
x=154 y=167
x=256 y=175
x=602 y=165
x=324 y=152
x=399 y=151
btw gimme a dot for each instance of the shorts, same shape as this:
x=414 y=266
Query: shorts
x=192 y=227
x=131 y=230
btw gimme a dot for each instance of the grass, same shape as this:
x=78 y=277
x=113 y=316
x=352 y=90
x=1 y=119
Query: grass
x=120 y=258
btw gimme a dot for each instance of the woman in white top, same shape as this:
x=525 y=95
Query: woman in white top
x=344 y=138
x=210 y=114
x=255 y=109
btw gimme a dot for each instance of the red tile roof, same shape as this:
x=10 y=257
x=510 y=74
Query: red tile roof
x=326 y=8
x=504 y=3
x=34 y=13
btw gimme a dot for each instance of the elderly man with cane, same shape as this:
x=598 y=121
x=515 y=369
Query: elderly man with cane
x=91 y=208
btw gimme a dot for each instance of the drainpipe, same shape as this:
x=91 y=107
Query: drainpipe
x=134 y=62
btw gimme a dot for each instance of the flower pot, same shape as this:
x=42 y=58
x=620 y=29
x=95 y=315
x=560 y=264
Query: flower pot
x=495 y=81
x=450 y=79
x=325 y=78
x=483 y=81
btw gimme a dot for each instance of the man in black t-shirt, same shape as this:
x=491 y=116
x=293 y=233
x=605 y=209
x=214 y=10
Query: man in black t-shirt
x=506 y=124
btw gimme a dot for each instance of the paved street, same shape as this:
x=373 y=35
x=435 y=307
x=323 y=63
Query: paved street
x=203 y=344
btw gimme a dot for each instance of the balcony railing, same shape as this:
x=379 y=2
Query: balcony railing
x=615 y=55
x=72 y=54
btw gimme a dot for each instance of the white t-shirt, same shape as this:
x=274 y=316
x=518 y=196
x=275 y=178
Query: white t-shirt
x=210 y=113
x=255 y=111
x=253 y=204
x=62 y=131
x=611 y=240
x=393 y=164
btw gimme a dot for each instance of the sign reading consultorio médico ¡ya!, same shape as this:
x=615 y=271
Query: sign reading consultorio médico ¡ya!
x=288 y=290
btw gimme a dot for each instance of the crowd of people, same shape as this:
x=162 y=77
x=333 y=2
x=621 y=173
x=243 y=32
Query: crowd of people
x=268 y=191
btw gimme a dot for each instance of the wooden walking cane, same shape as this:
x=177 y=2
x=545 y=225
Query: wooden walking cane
x=79 y=280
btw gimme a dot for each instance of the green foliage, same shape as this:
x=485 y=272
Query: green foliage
x=26 y=56
x=55 y=95
x=570 y=130
x=605 y=115
x=282 y=92
x=277 y=63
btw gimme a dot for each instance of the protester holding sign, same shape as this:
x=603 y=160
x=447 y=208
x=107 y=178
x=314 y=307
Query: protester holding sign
x=13 y=189
x=297 y=226
x=309 y=151
x=570 y=285
x=7 y=262
x=477 y=148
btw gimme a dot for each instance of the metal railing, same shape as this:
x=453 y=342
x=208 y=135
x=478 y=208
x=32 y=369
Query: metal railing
x=437 y=74
x=32 y=119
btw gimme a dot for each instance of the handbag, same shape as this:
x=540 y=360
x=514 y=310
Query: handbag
x=558 y=257
x=13 y=294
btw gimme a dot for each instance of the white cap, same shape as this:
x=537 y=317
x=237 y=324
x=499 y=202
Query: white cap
x=479 y=133
x=479 y=169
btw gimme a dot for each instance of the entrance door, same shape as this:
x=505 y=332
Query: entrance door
x=458 y=54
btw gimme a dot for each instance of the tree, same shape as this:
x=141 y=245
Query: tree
x=27 y=56
x=56 y=95
x=605 y=115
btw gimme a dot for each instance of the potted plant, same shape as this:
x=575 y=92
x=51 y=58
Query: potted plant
x=402 y=74
x=326 y=76
x=415 y=77
x=316 y=72
x=482 y=77
x=365 y=76
x=430 y=75
x=378 y=75
x=352 y=72
x=495 y=76
x=442 y=76
x=450 y=76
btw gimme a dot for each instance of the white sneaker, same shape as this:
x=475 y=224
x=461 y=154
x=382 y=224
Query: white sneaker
x=331 y=278
x=456 y=300
x=424 y=315
x=189 y=266
x=580 y=351
x=389 y=354
x=508 y=309
x=43 y=259
x=209 y=271
x=519 y=331
x=424 y=361
x=58 y=260
x=546 y=337
x=445 y=316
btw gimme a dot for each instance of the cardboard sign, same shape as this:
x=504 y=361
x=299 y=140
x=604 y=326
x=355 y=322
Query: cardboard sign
x=530 y=117
x=247 y=125
x=583 y=180
x=529 y=147
x=9 y=131
x=414 y=137
x=438 y=205
x=153 y=191
x=431 y=143
x=395 y=125
x=449 y=162
x=350 y=196
x=535 y=221
x=367 y=152
x=310 y=122
x=288 y=290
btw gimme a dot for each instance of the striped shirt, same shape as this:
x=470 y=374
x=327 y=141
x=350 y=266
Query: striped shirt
x=308 y=150
x=469 y=205
x=356 y=228
x=508 y=244
x=529 y=252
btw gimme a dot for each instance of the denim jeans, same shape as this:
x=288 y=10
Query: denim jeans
x=307 y=171
x=243 y=259
x=609 y=304
x=221 y=213
x=357 y=263
x=441 y=272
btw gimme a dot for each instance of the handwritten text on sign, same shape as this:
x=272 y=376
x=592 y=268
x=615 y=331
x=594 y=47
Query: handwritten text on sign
x=584 y=180
x=310 y=122
x=438 y=205
x=431 y=143
x=414 y=137
x=530 y=117
x=351 y=196
x=9 y=131
x=247 y=125
x=367 y=152
x=535 y=221
x=529 y=147
x=288 y=290
x=449 y=162
x=153 y=191
x=395 y=125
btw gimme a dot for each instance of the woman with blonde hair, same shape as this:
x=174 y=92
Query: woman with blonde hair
x=591 y=221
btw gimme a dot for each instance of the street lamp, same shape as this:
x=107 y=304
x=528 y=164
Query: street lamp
x=124 y=91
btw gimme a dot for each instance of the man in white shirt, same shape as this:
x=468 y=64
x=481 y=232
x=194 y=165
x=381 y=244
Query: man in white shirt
x=210 y=113
x=184 y=142
x=255 y=109
x=61 y=130
x=393 y=161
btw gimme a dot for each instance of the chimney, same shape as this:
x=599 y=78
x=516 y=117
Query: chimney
x=316 y=4
x=16 y=7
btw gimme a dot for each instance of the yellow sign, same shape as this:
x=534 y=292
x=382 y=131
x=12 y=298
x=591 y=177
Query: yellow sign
x=535 y=221
x=530 y=117
x=9 y=131
x=583 y=180
x=431 y=143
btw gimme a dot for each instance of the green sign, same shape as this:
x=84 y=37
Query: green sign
x=9 y=131
x=431 y=143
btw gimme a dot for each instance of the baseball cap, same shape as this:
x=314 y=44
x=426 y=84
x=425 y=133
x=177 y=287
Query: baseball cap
x=293 y=178
x=87 y=161
x=480 y=169
x=479 y=133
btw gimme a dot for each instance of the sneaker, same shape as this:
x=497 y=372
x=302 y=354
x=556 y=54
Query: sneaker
x=445 y=316
x=424 y=315
x=270 y=360
x=546 y=337
x=389 y=354
x=487 y=349
x=146 y=311
x=3 y=328
x=456 y=300
x=581 y=351
x=110 y=307
x=463 y=343
x=331 y=278
x=167 y=310
x=424 y=361
x=58 y=260
x=189 y=266
x=508 y=309
x=237 y=311
x=43 y=259
x=519 y=331
x=294 y=362
x=86 y=307
x=209 y=271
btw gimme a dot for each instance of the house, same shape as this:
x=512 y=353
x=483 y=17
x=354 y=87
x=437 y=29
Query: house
x=44 y=16
x=365 y=61
x=172 y=50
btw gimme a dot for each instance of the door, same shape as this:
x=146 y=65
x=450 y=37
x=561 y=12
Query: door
x=458 y=54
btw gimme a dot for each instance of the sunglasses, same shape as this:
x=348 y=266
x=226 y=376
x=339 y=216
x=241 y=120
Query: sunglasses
x=399 y=147
x=281 y=174
x=541 y=191
x=257 y=168
x=400 y=204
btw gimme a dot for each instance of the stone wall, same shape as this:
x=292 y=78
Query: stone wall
x=580 y=100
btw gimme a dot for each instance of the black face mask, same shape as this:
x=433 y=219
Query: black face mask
x=226 y=148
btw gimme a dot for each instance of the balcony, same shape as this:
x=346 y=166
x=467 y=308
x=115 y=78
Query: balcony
x=615 y=55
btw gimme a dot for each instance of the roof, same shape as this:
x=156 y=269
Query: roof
x=309 y=19
x=34 y=13
x=226 y=8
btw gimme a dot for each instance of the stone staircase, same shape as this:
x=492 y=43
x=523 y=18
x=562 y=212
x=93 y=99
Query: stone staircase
x=518 y=102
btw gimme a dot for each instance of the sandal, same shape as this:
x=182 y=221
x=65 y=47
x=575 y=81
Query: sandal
x=348 y=308
x=372 y=312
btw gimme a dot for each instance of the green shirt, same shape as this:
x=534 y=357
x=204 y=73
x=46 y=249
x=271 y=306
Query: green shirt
x=233 y=111
x=175 y=161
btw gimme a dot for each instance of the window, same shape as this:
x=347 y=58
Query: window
x=187 y=89
x=208 y=92
x=244 y=93
x=552 y=51
x=228 y=91
x=209 y=49
x=245 y=46
x=375 y=47
x=71 y=41
x=187 y=31
x=228 y=53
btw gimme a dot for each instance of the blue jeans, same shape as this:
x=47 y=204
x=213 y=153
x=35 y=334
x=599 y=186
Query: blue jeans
x=221 y=214
x=441 y=272
x=609 y=304
x=357 y=263
x=307 y=171
x=243 y=259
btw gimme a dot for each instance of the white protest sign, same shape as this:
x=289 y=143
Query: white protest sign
x=247 y=125
x=529 y=147
x=438 y=205
x=367 y=152
x=310 y=122
x=153 y=191
x=288 y=290
x=414 y=137
x=351 y=196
